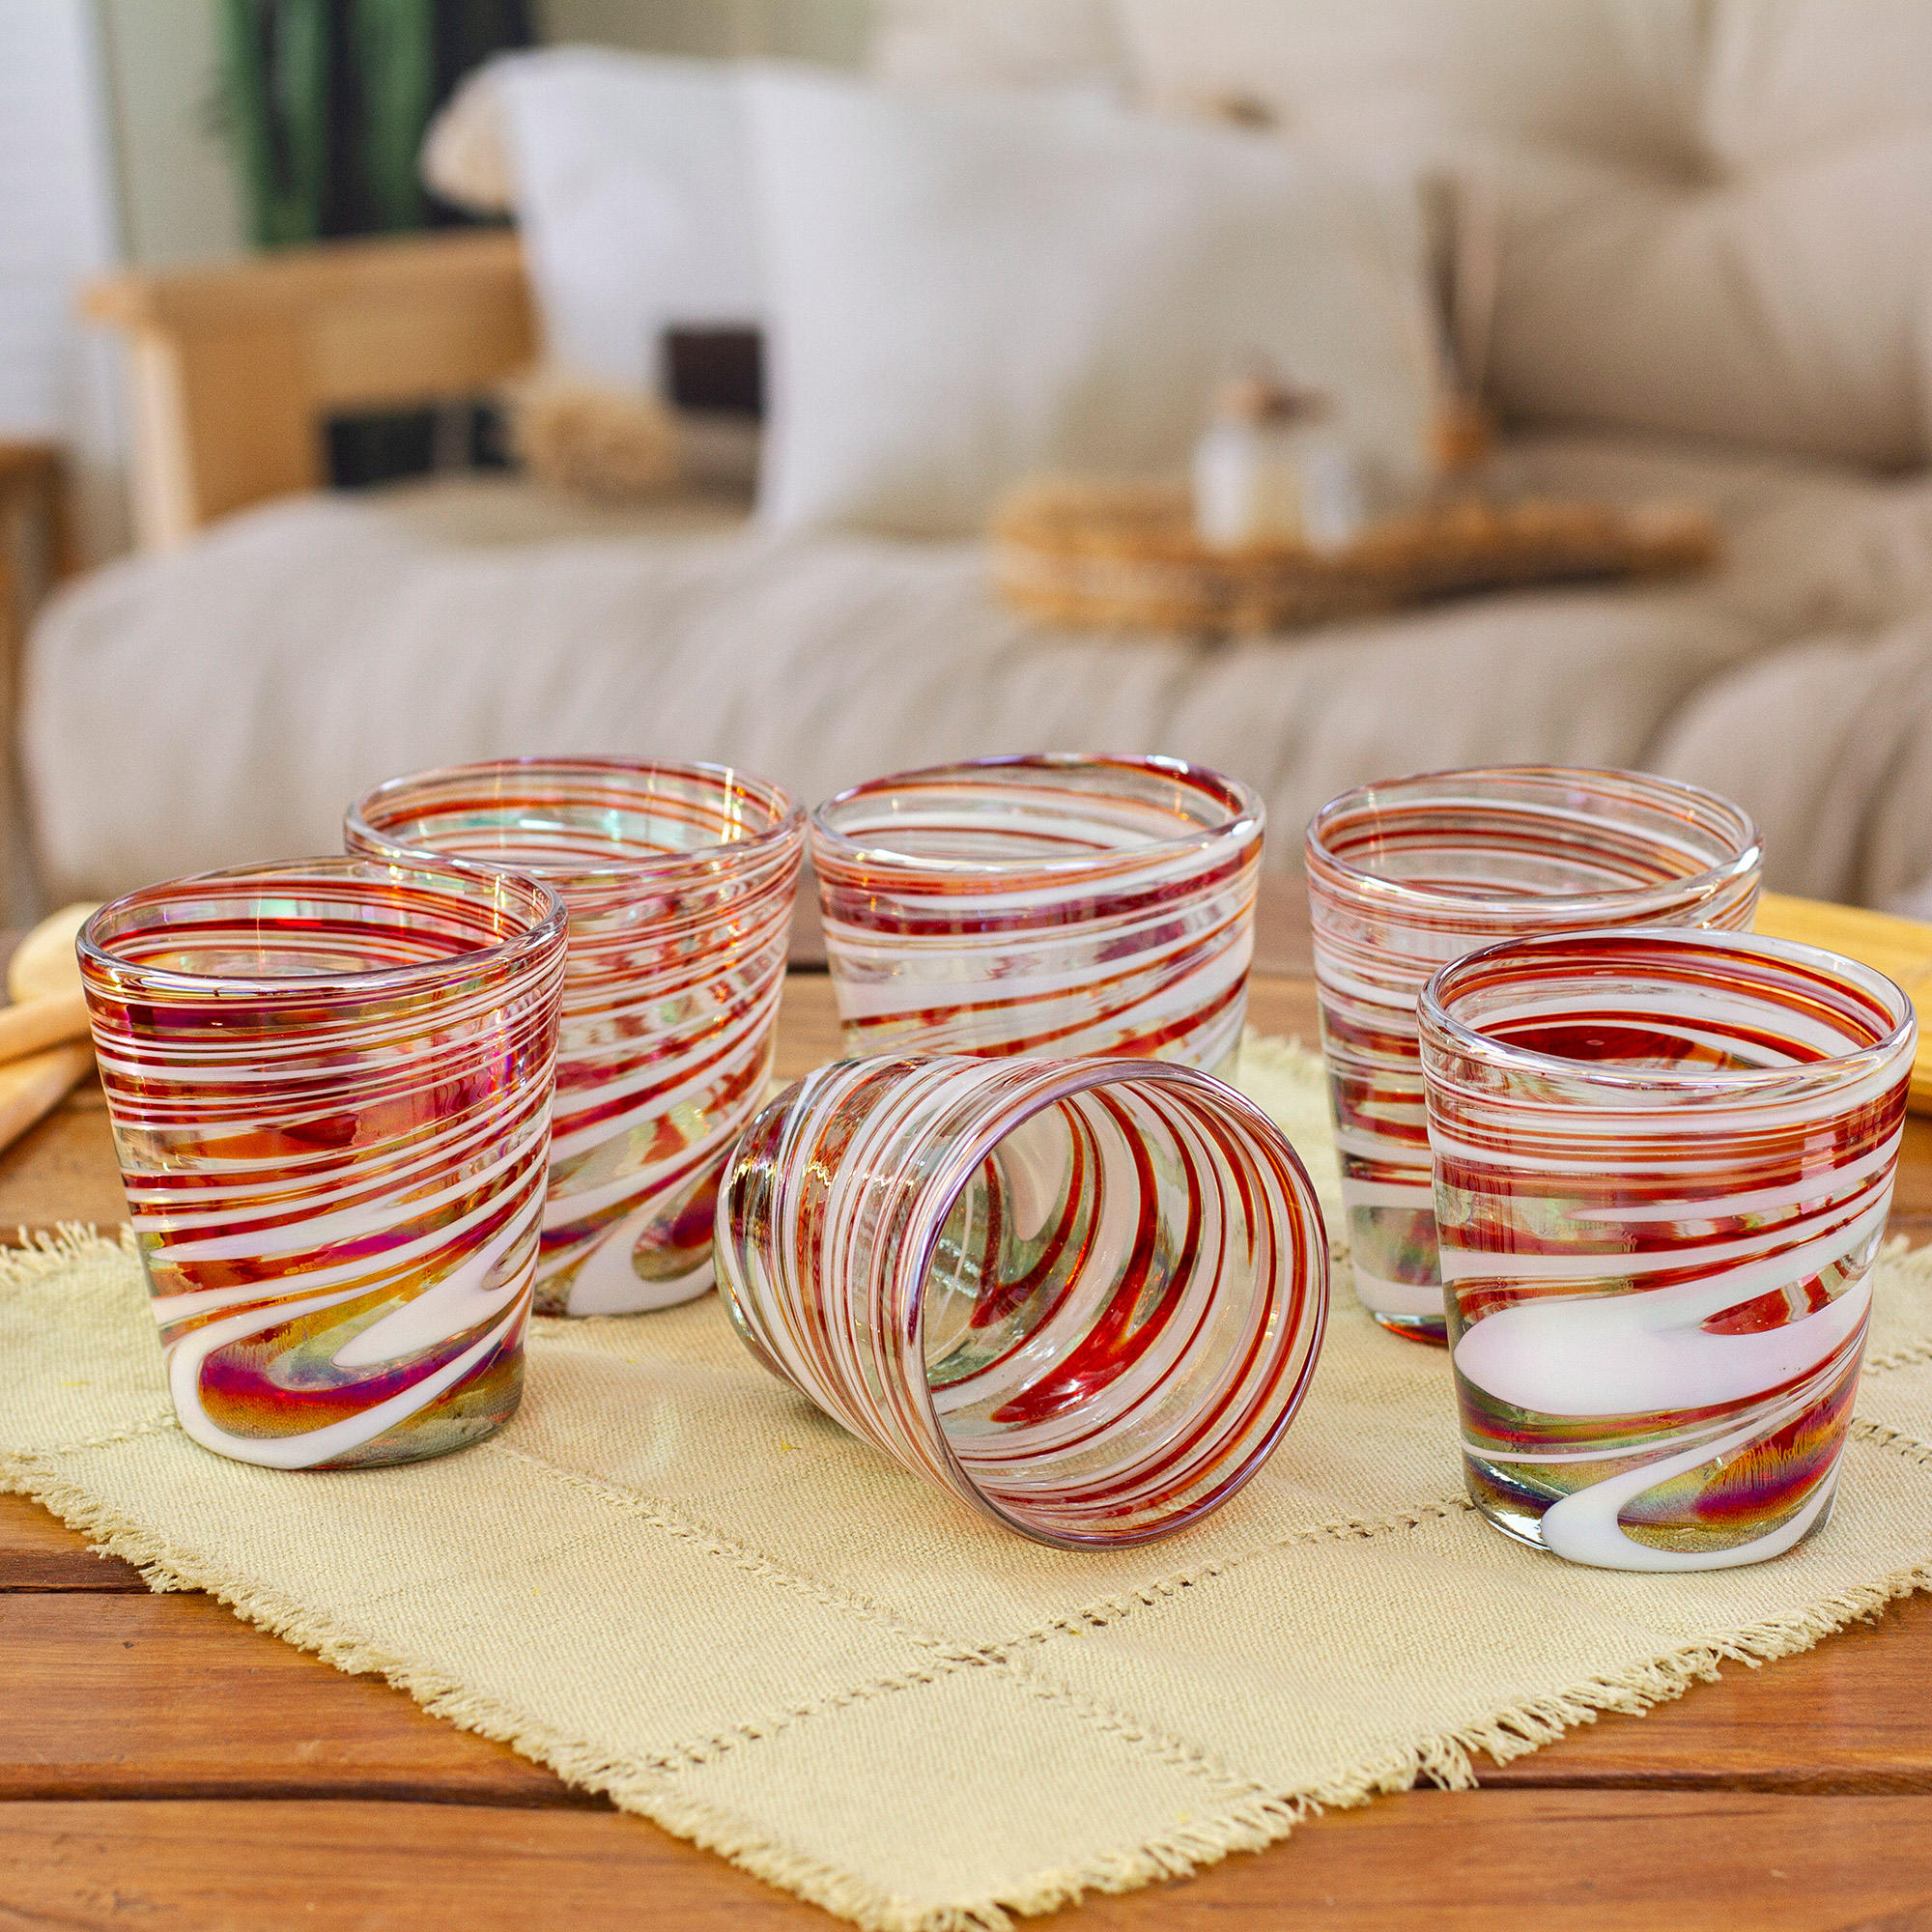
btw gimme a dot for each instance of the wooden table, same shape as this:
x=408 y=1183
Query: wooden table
x=165 y=1765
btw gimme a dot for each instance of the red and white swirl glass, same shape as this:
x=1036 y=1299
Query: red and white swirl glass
x=1084 y=1297
x=1406 y=875
x=1662 y=1166
x=1047 y=905
x=329 y=1084
x=679 y=881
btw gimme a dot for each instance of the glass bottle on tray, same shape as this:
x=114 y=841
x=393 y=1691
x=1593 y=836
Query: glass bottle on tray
x=1274 y=469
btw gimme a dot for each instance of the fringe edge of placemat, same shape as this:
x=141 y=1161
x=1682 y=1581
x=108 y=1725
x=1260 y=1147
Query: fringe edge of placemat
x=1443 y=1760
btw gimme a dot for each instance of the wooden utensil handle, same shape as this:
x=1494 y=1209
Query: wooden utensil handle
x=30 y=1088
x=48 y=1021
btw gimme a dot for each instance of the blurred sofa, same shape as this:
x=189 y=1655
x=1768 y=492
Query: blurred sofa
x=1694 y=256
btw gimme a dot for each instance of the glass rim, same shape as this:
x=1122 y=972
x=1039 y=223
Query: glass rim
x=1432 y=1012
x=1748 y=857
x=549 y=923
x=1052 y=1082
x=788 y=820
x=1245 y=808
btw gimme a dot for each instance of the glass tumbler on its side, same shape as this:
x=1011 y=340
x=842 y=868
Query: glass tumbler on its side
x=1404 y=876
x=1045 y=904
x=1662 y=1166
x=1084 y=1297
x=329 y=1083
x=679 y=880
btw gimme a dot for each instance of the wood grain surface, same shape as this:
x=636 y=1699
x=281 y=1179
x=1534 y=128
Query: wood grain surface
x=162 y=1764
x=63 y=1169
x=1431 y=1860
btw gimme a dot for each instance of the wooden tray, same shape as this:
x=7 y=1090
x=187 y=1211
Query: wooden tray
x=1123 y=556
x=1901 y=949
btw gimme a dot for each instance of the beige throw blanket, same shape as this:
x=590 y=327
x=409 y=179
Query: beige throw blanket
x=674 y=1582
x=293 y=656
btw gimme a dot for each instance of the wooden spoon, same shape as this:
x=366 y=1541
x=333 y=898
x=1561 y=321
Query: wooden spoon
x=38 y=1084
x=43 y=981
x=43 y=1044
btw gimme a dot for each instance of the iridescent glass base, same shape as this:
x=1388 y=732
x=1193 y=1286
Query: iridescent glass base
x=329 y=1083
x=1662 y=1166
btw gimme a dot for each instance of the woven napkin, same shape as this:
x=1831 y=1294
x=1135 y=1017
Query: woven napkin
x=673 y=1581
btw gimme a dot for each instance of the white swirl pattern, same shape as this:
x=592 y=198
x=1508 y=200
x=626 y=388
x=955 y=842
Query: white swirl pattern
x=1084 y=1297
x=1663 y=1163
x=1049 y=904
x=1403 y=877
x=679 y=882
x=329 y=1086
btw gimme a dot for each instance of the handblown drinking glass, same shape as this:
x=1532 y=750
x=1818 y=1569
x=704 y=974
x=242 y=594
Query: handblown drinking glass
x=1406 y=875
x=329 y=1083
x=1662 y=1166
x=1084 y=1296
x=1053 y=904
x=679 y=880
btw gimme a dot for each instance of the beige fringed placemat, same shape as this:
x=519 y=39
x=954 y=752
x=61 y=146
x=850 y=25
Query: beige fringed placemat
x=676 y=1583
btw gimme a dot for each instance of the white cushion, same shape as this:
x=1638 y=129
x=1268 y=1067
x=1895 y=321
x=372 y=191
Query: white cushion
x=1613 y=78
x=966 y=288
x=996 y=43
x=1781 y=309
x=634 y=203
x=1688 y=89
x=1716 y=216
x=1789 y=79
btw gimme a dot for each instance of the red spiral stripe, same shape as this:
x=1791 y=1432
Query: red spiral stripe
x=329 y=1084
x=1662 y=1166
x=1404 y=876
x=679 y=880
x=1051 y=904
x=1084 y=1296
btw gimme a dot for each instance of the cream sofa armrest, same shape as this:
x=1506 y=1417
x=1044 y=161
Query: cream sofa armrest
x=233 y=368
